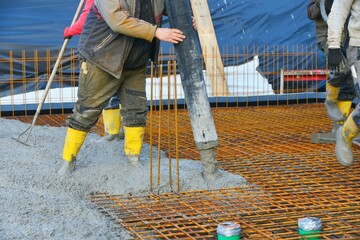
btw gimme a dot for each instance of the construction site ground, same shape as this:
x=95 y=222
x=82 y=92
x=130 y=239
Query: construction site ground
x=289 y=177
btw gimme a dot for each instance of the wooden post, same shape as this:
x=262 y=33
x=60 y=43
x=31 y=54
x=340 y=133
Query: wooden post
x=210 y=48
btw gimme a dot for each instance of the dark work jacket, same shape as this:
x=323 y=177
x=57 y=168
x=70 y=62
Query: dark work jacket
x=313 y=13
x=108 y=49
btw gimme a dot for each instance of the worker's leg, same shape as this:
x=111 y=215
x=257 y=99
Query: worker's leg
x=112 y=119
x=73 y=142
x=122 y=132
x=348 y=132
x=94 y=91
x=333 y=84
x=345 y=109
x=133 y=111
x=346 y=95
x=344 y=138
x=133 y=143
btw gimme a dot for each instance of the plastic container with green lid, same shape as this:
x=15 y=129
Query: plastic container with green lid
x=310 y=227
x=228 y=231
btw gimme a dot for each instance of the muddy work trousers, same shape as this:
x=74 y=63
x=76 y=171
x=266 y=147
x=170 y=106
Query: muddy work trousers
x=353 y=54
x=96 y=87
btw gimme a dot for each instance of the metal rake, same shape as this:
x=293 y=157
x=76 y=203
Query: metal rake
x=29 y=131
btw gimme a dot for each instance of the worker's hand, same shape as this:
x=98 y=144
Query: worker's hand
x=334 y=57
x=66 y=33
x=170 y=35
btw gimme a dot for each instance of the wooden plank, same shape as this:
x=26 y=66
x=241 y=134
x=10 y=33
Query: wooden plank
x=210 y=48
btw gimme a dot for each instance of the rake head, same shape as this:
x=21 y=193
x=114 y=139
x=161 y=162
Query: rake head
x=23 y=138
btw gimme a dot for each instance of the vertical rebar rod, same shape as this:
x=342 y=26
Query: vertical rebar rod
x=176 y=129
x=23 y=79
x=160 y=126
x=151 y=125
x=11 y=82
x=169 y=121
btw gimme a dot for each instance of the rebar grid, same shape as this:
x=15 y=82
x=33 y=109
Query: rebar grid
x=270 y=146
x=195 y=215
x=289 y=178
x=249 y=70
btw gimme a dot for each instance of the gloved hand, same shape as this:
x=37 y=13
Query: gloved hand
x=334 y=57
x=67 y=35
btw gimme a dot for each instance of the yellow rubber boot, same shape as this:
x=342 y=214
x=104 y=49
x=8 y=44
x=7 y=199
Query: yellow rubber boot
x=112 y=122
x=73 y=142
x=331 y=101
x=345 y=109
x=133 y=143
x=332 y=92
x=344 y=137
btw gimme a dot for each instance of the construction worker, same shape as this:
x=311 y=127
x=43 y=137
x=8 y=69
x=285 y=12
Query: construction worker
x=111 y=112
x=337 y=17
x=116 y=42
x=339 y=86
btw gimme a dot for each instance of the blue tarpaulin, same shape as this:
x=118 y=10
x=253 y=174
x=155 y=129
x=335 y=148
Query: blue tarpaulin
x=39 y=24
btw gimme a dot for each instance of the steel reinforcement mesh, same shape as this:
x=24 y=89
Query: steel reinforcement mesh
x=289 y=178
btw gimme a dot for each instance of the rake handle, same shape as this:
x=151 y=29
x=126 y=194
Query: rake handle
x=57 y=63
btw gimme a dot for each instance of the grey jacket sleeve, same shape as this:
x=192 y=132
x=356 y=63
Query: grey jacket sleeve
x=336 y=20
